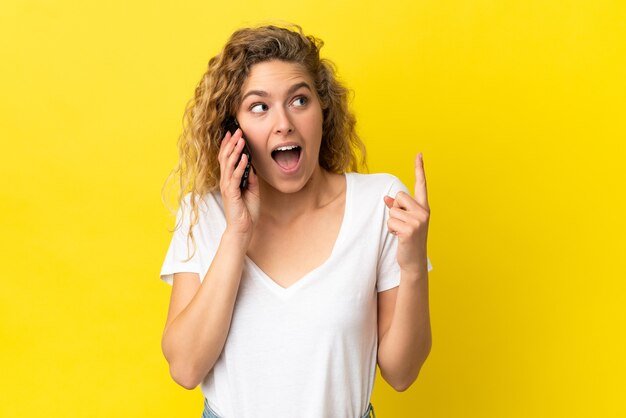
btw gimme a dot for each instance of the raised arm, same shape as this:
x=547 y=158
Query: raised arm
x=200 y=314
x=403 y=313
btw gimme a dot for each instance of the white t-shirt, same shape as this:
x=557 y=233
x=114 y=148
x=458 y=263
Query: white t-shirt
x=308 y=350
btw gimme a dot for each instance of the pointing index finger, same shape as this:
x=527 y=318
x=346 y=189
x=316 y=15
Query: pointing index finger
x=421 y=196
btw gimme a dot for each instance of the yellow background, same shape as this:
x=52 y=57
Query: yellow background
x=518 y=106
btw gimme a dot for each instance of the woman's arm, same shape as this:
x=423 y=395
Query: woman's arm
x=403 y=313
x=199 y=316
x=404 y=332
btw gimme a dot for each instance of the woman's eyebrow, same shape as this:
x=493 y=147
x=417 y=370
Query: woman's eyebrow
x=291 y=90
x=296 y=86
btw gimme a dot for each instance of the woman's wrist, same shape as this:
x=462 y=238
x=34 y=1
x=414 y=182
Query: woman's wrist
x=418 y=274
x=236 y=240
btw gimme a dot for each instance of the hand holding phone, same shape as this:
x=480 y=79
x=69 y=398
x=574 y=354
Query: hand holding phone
x=231 y=125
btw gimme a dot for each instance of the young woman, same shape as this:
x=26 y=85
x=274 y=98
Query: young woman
x=287 y=293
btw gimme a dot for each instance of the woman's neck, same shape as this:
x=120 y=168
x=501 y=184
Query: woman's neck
x=321 y=189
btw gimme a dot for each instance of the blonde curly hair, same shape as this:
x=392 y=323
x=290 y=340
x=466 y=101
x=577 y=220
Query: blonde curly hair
x=218 y=95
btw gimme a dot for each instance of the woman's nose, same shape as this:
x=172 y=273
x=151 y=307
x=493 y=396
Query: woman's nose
x=282 y=123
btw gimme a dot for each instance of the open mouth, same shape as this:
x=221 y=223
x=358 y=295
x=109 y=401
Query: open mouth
x=287 y=156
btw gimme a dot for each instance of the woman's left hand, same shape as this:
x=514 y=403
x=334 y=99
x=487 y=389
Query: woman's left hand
x=408 y=219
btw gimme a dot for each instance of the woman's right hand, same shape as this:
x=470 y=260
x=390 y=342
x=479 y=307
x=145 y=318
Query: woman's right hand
x=241 y=208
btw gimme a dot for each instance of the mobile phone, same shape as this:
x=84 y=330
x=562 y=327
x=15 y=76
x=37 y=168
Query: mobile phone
x=231 y=125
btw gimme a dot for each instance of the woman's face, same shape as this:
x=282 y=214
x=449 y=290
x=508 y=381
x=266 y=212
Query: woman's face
x=281 y=117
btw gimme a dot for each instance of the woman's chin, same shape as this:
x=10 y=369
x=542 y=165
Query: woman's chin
x=290 y=184
x=285 y=186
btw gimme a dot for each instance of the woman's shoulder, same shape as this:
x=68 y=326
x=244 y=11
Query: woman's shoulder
x=376 y=182
x=208 y=203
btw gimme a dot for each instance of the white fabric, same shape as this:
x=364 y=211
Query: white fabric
x=308 y=350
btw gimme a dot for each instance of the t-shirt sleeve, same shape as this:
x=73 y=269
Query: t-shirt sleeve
x=181 y=247
x=388 y=274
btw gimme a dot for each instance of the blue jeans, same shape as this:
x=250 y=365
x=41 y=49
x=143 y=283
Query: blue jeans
x=209 y=413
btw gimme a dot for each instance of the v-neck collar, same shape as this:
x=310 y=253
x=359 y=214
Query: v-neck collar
x=260 y=275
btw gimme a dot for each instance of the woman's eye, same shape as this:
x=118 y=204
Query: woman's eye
x=258 y=108
x=300 y=101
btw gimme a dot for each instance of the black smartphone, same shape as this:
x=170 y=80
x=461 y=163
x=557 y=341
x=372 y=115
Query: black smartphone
x=231 y=125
